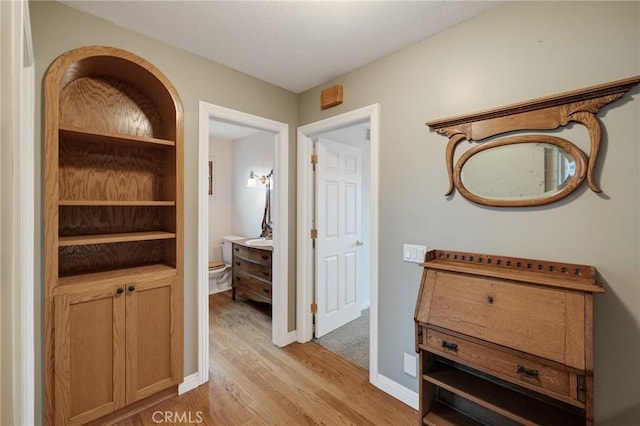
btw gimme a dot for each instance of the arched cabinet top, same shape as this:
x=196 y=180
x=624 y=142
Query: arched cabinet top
x=127 y=85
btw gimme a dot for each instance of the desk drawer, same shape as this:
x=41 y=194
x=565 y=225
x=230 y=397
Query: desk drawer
x=527 y=318
x=506 y=365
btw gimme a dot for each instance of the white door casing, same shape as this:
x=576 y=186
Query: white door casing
x=305 y=252
x=304 y=247
x=280 y=335
x=17 y=224
x=338 y=243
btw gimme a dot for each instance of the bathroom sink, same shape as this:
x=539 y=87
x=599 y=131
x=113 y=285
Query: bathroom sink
x=260 y=242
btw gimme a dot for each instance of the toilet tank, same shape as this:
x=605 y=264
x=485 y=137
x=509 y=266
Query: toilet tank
x=227 y=244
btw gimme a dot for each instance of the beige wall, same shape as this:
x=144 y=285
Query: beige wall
x=520 y=51
x=57 y=29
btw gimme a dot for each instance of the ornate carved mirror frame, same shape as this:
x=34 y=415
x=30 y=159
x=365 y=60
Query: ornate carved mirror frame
x=548 y=113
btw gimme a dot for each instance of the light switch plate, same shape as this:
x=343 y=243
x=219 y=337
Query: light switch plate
x=413 y=253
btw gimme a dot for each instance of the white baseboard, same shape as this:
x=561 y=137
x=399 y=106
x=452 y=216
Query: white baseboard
x=289 y=338
x=397 y=391
x=190 y=382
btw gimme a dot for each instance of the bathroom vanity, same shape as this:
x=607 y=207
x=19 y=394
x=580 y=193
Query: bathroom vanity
x=252 y=271
x=505 y=340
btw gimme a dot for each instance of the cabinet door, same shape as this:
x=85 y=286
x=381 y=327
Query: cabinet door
x=153 y=360
x=89 y=354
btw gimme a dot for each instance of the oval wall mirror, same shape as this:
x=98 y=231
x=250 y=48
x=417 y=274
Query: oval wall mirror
x=527 y=170
x=531 y=169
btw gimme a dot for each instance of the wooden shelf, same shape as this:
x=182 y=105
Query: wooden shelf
x=113 y=235
x=104 y=137
x=117 y=275
x=441 y=415
x=512 y=405
x=78 y=240
x=109 y=203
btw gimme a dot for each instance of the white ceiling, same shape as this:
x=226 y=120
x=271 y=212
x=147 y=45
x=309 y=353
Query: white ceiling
x=296 y=45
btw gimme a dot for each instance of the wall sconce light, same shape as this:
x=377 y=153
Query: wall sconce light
x=254 y=179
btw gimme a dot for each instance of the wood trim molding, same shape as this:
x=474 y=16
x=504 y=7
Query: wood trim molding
x=547 y=113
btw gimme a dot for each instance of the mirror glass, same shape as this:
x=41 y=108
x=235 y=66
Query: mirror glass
x=523 y=171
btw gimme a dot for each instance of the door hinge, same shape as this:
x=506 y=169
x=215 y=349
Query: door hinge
x=314 y=159
x=314 y=234
x=314 y=308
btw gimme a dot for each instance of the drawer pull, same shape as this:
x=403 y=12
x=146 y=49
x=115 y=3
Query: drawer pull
x=265 y=289
x=238 y=263
x=527 y=371
x=266 y=273
x=450 y=346
x=490 y=299
x=265 y=257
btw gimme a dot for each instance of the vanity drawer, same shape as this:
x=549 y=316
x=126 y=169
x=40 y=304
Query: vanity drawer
x=526 y=318
x=505 y=365
x=257 y=269
x=253 y=254
x=252 y=284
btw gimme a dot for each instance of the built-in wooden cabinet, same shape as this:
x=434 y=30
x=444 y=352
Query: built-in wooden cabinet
x=505 y=341
x=113 y=233
x=252 y=277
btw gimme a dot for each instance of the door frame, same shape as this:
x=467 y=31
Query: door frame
x=305 y=214
x=17 y=215
x=280 y=305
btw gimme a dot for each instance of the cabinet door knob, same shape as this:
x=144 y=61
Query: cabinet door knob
x=132 y=288
x=120 y=290
x=490 y=299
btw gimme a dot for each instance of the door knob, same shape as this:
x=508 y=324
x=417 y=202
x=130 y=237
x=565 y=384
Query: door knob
x=359 y=243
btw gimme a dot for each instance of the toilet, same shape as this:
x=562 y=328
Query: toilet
x=220 y=271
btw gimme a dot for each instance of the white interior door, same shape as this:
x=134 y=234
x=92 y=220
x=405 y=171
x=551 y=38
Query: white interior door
x=338 y=243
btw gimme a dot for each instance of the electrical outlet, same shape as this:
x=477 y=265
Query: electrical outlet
x=413 y=253
x=410 y=365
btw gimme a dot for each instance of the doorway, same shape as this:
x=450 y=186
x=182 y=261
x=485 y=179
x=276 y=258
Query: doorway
x=341 y=245
x=306 y=270
x=279 y=208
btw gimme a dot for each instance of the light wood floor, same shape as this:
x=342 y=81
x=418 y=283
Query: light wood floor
x=253 y=382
